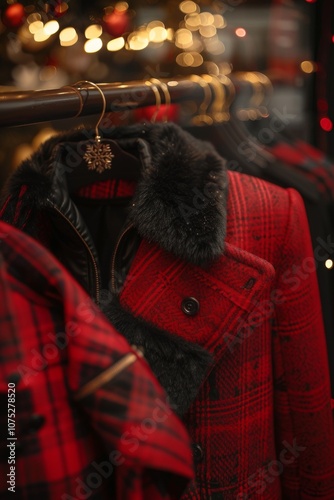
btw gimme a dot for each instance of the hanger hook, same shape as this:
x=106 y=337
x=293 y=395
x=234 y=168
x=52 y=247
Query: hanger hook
x=267 y=90
x=98 y=156
x=104 y=106
x=253 y=111
x=202 y=117
x=77 y=91
x=230 y=93
x=165 y=90
x=219 y=101
x=157 y=99
x=258 y=93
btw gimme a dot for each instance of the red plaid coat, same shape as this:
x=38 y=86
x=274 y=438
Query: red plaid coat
x=221 y=294
x=88 y=417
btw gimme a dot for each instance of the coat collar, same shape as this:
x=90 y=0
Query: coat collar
x=180 y=200
x=179 y=208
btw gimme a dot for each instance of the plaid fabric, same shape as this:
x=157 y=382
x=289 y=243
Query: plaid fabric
x=318 y=169
x=110 y=188
x=78 y=436
x=314 y=153
x=262 y=420
x=261 y=424
x=312 y=165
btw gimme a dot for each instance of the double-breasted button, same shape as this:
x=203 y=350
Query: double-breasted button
x=36 y=421
x=190 y=306
x=198 y=454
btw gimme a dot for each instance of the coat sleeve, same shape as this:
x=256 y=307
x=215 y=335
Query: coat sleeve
x=147 y=445
x=305 y=434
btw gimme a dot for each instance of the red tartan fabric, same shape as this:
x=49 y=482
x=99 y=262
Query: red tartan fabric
x=53 y=342
x=313 y=152
x=263 y=416
x=110 y=188
x=306 y=159
x=261 y=423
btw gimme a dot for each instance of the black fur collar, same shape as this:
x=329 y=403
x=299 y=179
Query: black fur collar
x=180 y=201
x=180 y=204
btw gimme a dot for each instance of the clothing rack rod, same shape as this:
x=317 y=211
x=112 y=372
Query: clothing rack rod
x=31 y=107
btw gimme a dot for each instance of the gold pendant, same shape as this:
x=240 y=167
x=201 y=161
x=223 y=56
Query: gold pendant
x=98 y=157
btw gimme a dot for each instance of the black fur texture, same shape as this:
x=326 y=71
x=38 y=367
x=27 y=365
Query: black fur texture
x=180 y=200
x=180 y=366
x=179 y=204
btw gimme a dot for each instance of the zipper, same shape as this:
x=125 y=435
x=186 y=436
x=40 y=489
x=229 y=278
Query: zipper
x=97 y=281
x=113 y=284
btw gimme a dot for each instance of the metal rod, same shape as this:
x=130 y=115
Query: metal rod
x=31 y=107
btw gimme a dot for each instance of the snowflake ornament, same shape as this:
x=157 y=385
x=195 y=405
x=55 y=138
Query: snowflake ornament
x=98 y=157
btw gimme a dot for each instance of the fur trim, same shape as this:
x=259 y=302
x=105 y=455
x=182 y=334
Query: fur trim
x=180 y=201
x=179 y=366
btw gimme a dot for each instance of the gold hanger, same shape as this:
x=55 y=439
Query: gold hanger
x=218 y=103
x=104 y=106
x=229 y=90
x=202 y=117
x=98 y=155
x=267 y=88
x=157 y=99
x=253 y=111
x=81 y=104
x=164 y=88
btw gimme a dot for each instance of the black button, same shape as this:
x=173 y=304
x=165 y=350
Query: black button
x=190 y=306
x=198 y=454
x=36 y=422
x=250 y=283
